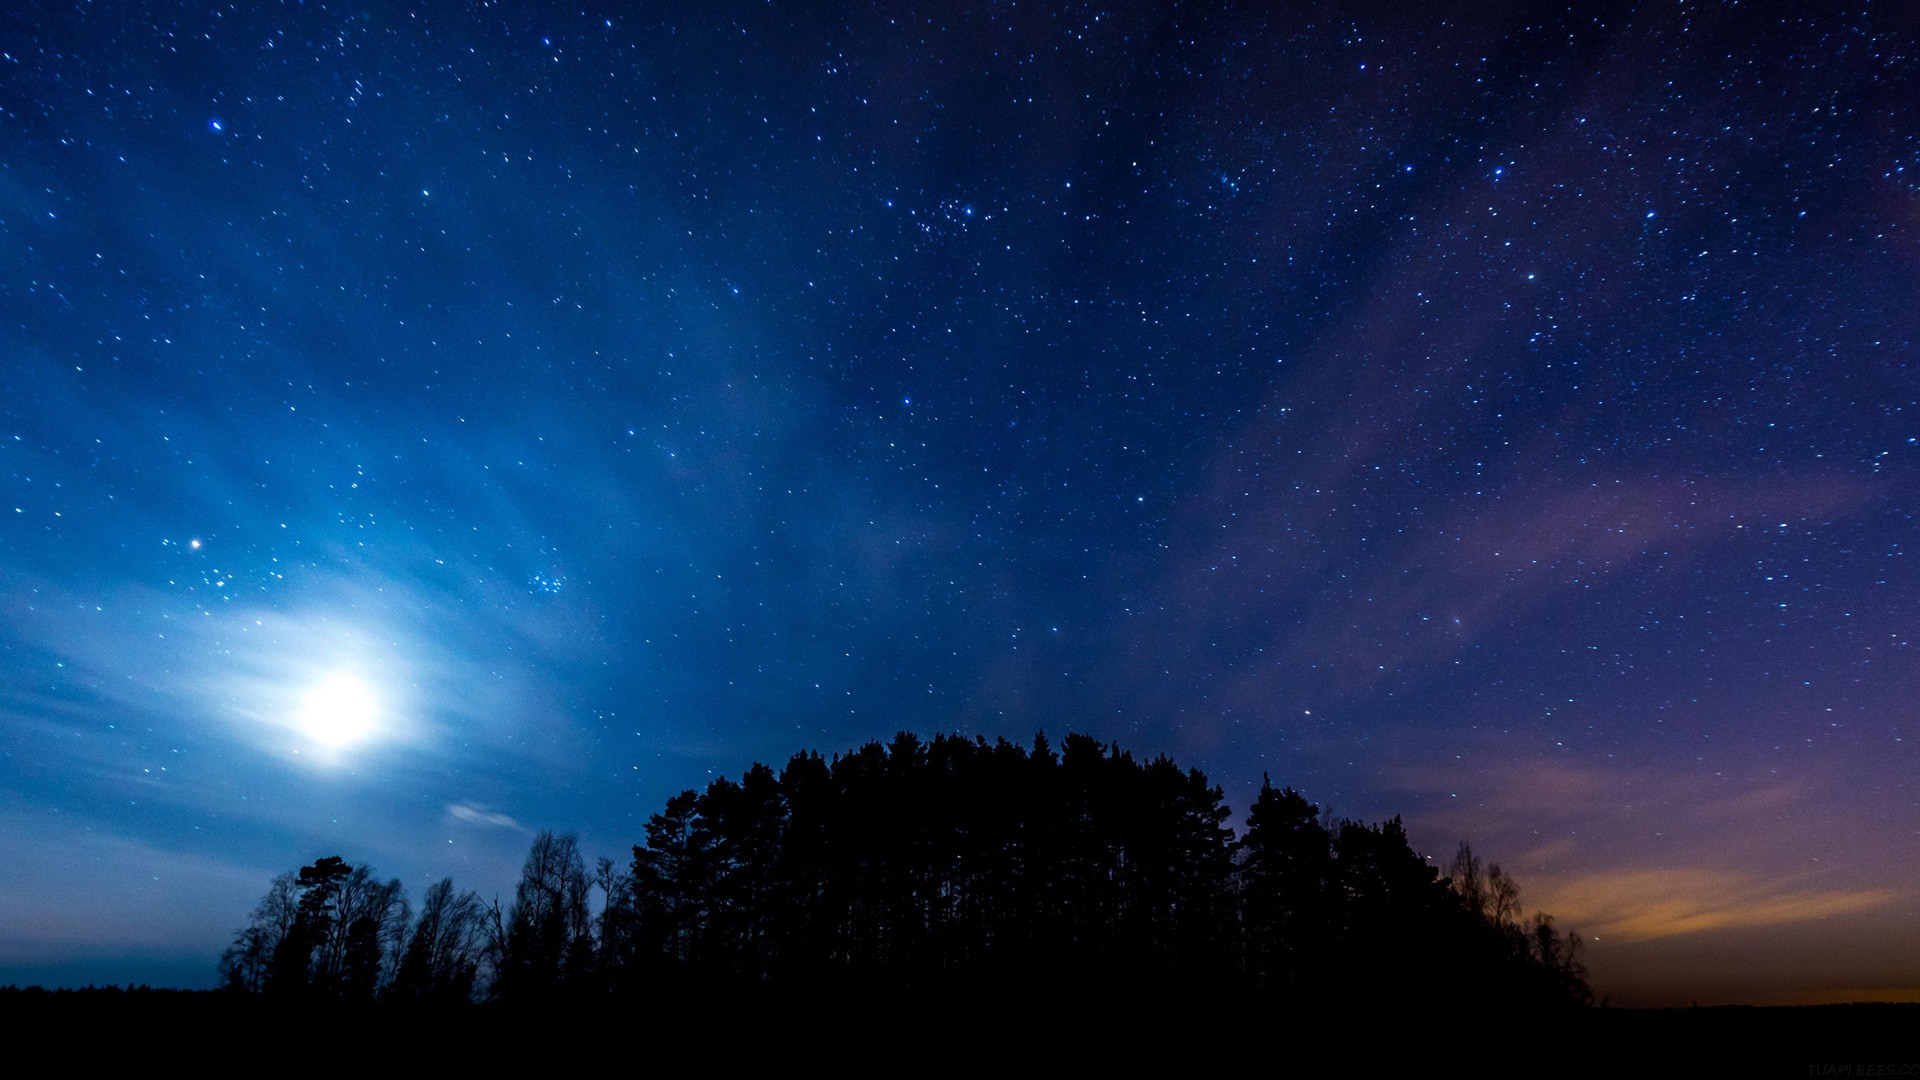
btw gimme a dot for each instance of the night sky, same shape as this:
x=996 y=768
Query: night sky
x=422 y=426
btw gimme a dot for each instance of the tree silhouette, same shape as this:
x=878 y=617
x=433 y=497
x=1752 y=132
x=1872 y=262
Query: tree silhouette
x=939 y=866
x=670 y=888
x=1286 y=882
x=330 y=930
x=442 y=958
x=247 y=965
x=1528 y=962
x=547 y=940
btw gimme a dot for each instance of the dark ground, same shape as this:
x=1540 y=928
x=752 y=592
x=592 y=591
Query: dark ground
x=200 y=1029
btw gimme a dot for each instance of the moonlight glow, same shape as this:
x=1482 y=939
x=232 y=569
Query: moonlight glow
x=338 y=712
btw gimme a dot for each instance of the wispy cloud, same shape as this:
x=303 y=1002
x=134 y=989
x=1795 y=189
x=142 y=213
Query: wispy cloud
x=479 y=815
x=1641 y=905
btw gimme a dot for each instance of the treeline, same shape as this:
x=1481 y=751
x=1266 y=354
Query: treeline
x=942 y=866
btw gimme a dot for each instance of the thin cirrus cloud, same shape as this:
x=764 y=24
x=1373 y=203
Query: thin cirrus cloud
x=1495 y=571
x=473 y=814
x=1642 y=905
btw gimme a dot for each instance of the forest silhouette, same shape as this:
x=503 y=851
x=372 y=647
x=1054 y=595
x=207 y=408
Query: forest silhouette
x=939 y=869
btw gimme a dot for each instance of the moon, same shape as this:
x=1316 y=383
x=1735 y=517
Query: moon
x=339 y=712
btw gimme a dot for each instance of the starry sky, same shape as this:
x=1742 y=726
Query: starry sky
x=421 y=425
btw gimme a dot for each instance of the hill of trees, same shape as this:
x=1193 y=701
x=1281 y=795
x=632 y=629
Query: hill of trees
x=936 y=868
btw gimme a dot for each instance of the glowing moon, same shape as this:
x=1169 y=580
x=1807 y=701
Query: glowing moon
x=338 y=712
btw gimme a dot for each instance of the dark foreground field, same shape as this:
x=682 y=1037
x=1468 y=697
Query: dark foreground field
x=904 y=1036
